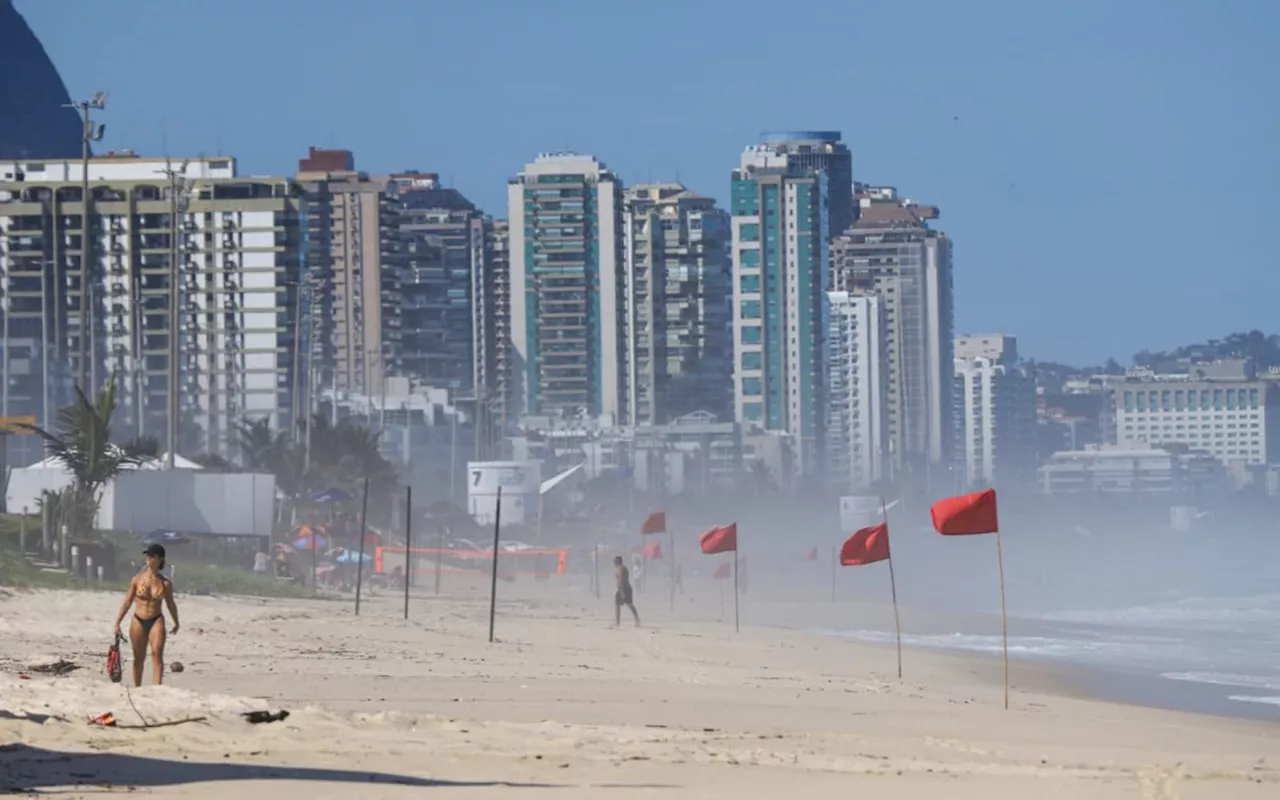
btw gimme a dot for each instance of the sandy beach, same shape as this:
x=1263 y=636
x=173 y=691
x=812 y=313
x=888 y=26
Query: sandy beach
x=563 y=706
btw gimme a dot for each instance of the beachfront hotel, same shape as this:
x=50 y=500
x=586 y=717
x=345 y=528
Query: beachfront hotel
x=1221 y=408
x=780 y=219
x=565 y=233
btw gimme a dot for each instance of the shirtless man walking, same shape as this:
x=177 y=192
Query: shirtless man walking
x=624 y=594
x=147 y=591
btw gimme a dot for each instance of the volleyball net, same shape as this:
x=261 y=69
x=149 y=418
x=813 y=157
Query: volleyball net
x=425 y=561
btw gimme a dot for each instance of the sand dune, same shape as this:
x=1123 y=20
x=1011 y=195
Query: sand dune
x=562 y=706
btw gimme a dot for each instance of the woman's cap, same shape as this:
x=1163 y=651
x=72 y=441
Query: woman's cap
x=154 y=550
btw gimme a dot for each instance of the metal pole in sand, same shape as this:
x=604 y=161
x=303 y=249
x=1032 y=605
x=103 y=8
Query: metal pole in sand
x=364 y=511
x=493 y=580
x=408 y=544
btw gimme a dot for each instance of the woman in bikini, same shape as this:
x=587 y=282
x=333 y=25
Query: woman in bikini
x=147 y=591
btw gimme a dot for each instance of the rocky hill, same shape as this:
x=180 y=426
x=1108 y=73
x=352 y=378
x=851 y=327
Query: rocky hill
x=33 y=120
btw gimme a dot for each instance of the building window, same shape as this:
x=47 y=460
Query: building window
x=753 y=412
x=749 y=284
x=752 y=387
x=752 y=360
x=749 y=257
x=1128 y=401
x=751 y=309
x=749 y=232
x=1253 y=398
x=751 y=334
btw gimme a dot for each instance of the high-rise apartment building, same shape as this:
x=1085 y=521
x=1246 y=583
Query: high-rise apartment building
x=857 y=448
x=676 y=323
x=567 y=298
x=821 y=150
x=497 y=378
x=240 y=258
x=447 y=253
x=356 y=255
x=891 y=250
x=996 y=427
x=779 y=218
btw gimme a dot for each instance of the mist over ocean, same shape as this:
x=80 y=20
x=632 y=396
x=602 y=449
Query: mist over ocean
x=1181 y=614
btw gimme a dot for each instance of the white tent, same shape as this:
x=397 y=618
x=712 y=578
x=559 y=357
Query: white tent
x=28 y=484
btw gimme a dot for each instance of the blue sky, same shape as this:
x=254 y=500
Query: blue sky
x=1108 y=169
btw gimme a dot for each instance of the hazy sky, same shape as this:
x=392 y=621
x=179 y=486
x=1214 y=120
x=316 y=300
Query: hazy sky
x=1108 y=168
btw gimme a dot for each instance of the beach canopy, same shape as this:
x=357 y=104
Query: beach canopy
x=164 y=536
x=332 y=495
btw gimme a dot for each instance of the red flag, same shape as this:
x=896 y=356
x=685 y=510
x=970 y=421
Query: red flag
x=813 y=555
x=656 y=522
x=651 y=551
x=966 y=515
x=722 y=572
x=866 y=546
x=720 y=540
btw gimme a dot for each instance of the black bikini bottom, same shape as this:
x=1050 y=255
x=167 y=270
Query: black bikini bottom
x=148 y=624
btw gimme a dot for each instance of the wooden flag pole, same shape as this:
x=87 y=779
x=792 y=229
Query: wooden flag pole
x=439 y=553
x=835 y=560
x=364 y=511
x=893 y=584
x=671 y=556
x=493 y=580
x=408 y=543
x=736 y=627
x=1004 y=619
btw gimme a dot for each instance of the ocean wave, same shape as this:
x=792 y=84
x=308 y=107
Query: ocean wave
x=1250 y=698
x=1047 y=647
x=1226 y=679
x=1213 y=612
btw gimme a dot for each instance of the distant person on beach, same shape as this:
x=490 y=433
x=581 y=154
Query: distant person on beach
x=624 y=595
x=147 y=592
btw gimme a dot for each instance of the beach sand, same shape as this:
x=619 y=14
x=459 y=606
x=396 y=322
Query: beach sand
x=563 y=706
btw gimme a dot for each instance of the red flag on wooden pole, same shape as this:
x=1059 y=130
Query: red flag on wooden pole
x=656 y=522
x=968 y=515
x=868 y=546
x=723 y=539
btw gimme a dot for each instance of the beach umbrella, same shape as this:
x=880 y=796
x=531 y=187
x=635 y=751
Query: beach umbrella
x=310 y=541
x=164 y=536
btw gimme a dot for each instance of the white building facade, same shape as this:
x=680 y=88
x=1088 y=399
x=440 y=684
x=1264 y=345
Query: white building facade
x=240 y=247
x=996 y=410
x=857 y=392
x=1235 y=421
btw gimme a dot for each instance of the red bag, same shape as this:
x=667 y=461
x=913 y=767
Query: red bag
x=115 y=668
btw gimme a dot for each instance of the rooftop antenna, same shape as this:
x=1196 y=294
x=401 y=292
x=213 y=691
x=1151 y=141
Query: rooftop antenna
x=179 y=196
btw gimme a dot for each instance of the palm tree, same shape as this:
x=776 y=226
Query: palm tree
x=82 y=443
